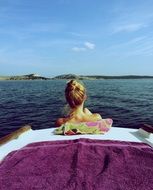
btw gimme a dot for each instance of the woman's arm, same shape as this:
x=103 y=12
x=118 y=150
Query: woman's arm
x=60 y=121
x=95 y=116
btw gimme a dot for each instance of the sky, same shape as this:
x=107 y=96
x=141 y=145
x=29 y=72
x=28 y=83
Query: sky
x=86 y=37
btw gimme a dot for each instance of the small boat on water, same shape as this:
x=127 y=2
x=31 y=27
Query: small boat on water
x=38 y=159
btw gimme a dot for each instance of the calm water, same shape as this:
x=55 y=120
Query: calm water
x=39 y=103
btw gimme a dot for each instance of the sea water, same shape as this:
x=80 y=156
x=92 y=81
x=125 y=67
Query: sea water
x=39 y=103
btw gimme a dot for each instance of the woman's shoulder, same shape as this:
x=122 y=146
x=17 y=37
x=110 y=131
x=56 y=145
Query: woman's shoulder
x=93 y=115
x=86 y=111
x=97 y=116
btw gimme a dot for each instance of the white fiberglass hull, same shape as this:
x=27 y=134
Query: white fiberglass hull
x=115 y=133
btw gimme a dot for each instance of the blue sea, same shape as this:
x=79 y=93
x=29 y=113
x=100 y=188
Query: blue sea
x=39 y=103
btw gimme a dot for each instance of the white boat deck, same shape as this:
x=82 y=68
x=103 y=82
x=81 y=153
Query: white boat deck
x=121 y=134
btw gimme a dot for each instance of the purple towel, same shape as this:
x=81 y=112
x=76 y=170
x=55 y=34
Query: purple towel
x=81 y=164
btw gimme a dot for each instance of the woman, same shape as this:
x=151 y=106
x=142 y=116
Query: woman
x=75 y=94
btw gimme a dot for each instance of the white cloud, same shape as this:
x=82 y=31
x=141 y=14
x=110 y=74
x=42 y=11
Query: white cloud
x=77 y=34
x=78 y=49
x=129 y=27
x=142 y=45
x=89 y=45
x=86 y=46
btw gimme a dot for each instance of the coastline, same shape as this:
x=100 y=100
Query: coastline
x=73 y=76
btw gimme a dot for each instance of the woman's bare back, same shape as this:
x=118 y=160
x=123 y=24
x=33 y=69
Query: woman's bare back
x=84 y=116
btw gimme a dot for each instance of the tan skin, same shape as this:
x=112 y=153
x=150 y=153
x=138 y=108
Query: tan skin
x=79 y=114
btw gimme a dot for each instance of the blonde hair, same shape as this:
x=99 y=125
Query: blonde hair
x=75 y=93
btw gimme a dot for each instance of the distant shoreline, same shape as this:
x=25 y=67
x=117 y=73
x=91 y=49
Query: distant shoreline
x=72 y=76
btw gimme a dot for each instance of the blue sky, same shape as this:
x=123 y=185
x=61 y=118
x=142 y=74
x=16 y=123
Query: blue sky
x=90 y=37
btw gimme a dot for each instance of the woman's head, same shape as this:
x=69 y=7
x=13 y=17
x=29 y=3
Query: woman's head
x=75 y=93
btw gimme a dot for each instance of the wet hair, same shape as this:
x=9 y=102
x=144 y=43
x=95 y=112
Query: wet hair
x=75 y=93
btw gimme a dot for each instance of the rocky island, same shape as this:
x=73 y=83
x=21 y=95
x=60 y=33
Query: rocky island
x=73 y=76
x=95 y=77
x=24 y=77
